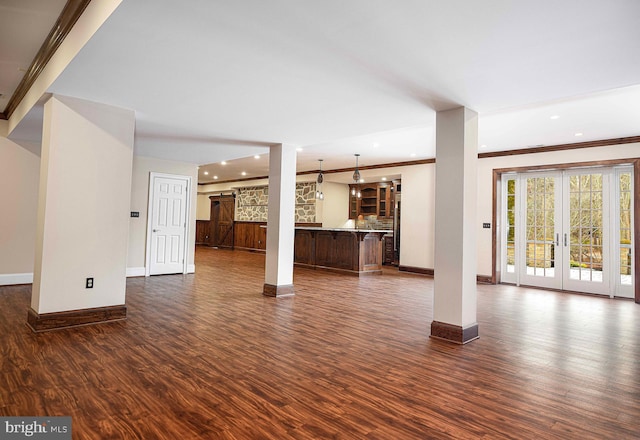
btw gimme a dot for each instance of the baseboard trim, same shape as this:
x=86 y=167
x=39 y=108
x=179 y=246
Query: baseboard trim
x=482 y=279
x=9 y=279
x=277 y=291
x=454 y=333
x=73 y=318
x=421 y=270
x=135 y=272
x=191 y=268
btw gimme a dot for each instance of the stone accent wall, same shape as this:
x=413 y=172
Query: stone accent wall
x=252 y=202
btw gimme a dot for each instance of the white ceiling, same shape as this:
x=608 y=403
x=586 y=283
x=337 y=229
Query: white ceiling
x=219 y=80
x=24 y=25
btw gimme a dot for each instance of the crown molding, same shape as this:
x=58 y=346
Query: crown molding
x=72 y=10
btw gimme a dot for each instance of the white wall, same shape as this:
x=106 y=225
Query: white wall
x=417 y=223
x=19 y=176
x=83 y=205
x=142 y=167
x=334 y=209
x=203 y=208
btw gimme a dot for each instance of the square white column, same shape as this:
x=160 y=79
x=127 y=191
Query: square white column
x=280 y=221
x=83 y=214
x=455 y=265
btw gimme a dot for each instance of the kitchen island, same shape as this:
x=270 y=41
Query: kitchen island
x=351 y=251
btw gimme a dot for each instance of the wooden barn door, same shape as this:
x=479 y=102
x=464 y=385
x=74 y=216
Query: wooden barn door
x=221 y=223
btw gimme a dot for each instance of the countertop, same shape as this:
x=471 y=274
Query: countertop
x=316 y=228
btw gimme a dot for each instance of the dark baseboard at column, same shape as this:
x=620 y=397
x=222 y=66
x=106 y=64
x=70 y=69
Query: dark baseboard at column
x=73 y=318
x=481 y=279
x=277 y=291
x=454 y=333
x=421 y=270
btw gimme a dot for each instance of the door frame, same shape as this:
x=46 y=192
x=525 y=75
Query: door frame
x=497 y=202
x=152 y=176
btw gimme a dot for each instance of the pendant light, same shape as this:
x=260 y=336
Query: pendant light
x=355 y=190
x=319 y=180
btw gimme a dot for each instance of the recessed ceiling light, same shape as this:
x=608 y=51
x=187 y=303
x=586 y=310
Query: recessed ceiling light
x=223 y=163
x=555 y=117
x=257 y=156
x=376 y=145
x=215 y=177
x=384 y=178
x=578 y=134
x=206 y=173
x=244 y=173
x=299 y=149
x=483 y=146
x=413 y=155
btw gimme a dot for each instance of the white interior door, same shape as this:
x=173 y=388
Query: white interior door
x=168 y=224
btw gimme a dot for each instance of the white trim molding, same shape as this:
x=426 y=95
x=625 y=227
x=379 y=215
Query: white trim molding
x=135 y=272
x=9 y=279
x=191 y=268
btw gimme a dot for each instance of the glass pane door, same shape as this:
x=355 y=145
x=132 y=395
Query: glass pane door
x=570 y=230
x=508 y=238
x=586 y=232
x=624 y=224
x=539 y=255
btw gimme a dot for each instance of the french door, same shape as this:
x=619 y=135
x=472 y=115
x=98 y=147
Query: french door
x=569 y=230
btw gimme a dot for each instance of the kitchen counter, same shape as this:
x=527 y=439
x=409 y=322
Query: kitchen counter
x=316 y=228
x=350 y=251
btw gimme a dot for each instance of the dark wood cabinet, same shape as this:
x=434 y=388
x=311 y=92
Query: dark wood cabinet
x=387 y=248
x=202 y=231
x=374 y=199
x=250 y=235
x=369 y=199
x=356 y=252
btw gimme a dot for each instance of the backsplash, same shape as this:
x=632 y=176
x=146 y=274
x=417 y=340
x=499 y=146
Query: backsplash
x=373 y=222
x=252 y=203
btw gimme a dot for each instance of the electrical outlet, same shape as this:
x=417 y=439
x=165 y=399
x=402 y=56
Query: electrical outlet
x=89 y=284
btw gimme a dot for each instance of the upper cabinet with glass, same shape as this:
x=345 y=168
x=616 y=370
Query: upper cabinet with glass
x=371 y=199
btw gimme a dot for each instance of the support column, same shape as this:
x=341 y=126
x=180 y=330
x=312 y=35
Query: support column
x=280 y=221
x=83 y=214
x=455 y=265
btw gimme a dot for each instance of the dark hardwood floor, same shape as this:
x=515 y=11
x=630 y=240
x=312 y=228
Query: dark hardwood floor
x=206 y=356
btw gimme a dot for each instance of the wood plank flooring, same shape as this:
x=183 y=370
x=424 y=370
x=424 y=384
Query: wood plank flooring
x=206 y=356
